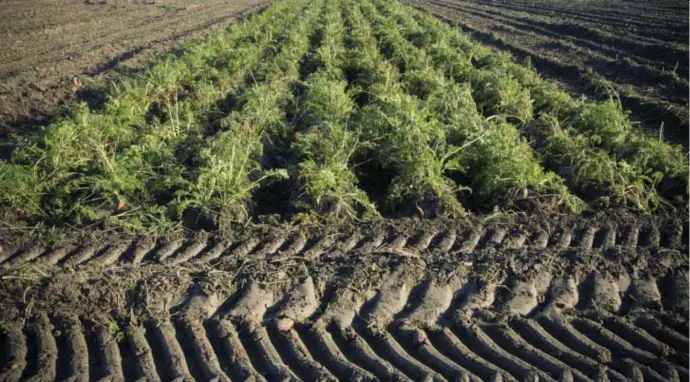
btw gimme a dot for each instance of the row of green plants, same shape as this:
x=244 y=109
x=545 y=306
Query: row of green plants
x=404 y=139
x=129 y=162
x=497 y=163
x=326 y=135
x=593 y=145
x=233 y=164
x=356 y=108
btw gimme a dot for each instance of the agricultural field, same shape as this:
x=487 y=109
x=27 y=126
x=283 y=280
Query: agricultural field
x=323 y=121
x=45 y=44
x=345 y=190
x=637 y=50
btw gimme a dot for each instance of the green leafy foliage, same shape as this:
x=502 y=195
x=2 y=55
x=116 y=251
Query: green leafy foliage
x=321 y=97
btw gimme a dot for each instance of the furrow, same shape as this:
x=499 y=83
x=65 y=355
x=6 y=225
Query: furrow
x=676 y=323
x=269 y=357
x=242 y=249
x=672 y=237
x=241 y=366
x=420 y=345
x=645 y=371
x=386 y=345
x=191 y=250
x=603 y=293
x=514 y=344
x=540 y=338
x=651 y=238
x=636 y=336
x=586 y=239
x=320 y=247
x=81 y=255
x=270 y=247
x=628 y=237
x=78 y=363
x=109 y=354
x=678 y=373
x=398 y=242
x=55 y=255
x=296 y=246
x=310 y=369
x=496 y=236
x=559 y=327
x=214 y=252
x=603 y=336
x=326 y=352
x=605 y=238
x=25 y=256
x=203 y=351
x=146 y=367
x=350 y=242
x=167 y=250
x=562 y=239
x=447 y=240
x=485 y=346
x=172 y=356
x=447 y=342
x=515 y=240
x=540 y=240
x=471 y=240
x=5 y=255
x=109 y=256
x=669 y=336
x=424 y=241
x=47 y=352
x=525 y=296
x=365 y=355
x=13 y=353
x=373 y=243
x=142 y=247
x=645 y=294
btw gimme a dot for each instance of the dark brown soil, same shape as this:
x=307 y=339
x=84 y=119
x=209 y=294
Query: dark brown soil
x=45 y=44
x=409 y=300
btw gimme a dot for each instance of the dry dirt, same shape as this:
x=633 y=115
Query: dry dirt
x=44 y=44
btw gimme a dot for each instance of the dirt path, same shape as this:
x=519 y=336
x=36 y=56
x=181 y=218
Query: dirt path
x=564 y=299
x=45 y=44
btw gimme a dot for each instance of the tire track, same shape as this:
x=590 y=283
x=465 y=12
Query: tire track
x=128 y=251
x=500 y=302
x=397 y=334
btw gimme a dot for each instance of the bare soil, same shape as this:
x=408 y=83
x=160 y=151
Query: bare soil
x=558 y=298
x=54 y=53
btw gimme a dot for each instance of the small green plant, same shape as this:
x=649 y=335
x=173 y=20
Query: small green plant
x=115 y=331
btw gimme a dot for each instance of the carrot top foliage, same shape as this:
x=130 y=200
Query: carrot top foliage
x=332 y=112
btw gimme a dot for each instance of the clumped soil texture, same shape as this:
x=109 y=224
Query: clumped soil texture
x=513 y=299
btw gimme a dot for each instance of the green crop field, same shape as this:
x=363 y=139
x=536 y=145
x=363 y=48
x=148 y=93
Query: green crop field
x=330 y=112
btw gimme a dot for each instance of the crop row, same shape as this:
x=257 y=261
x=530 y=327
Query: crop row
x=340 y=110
